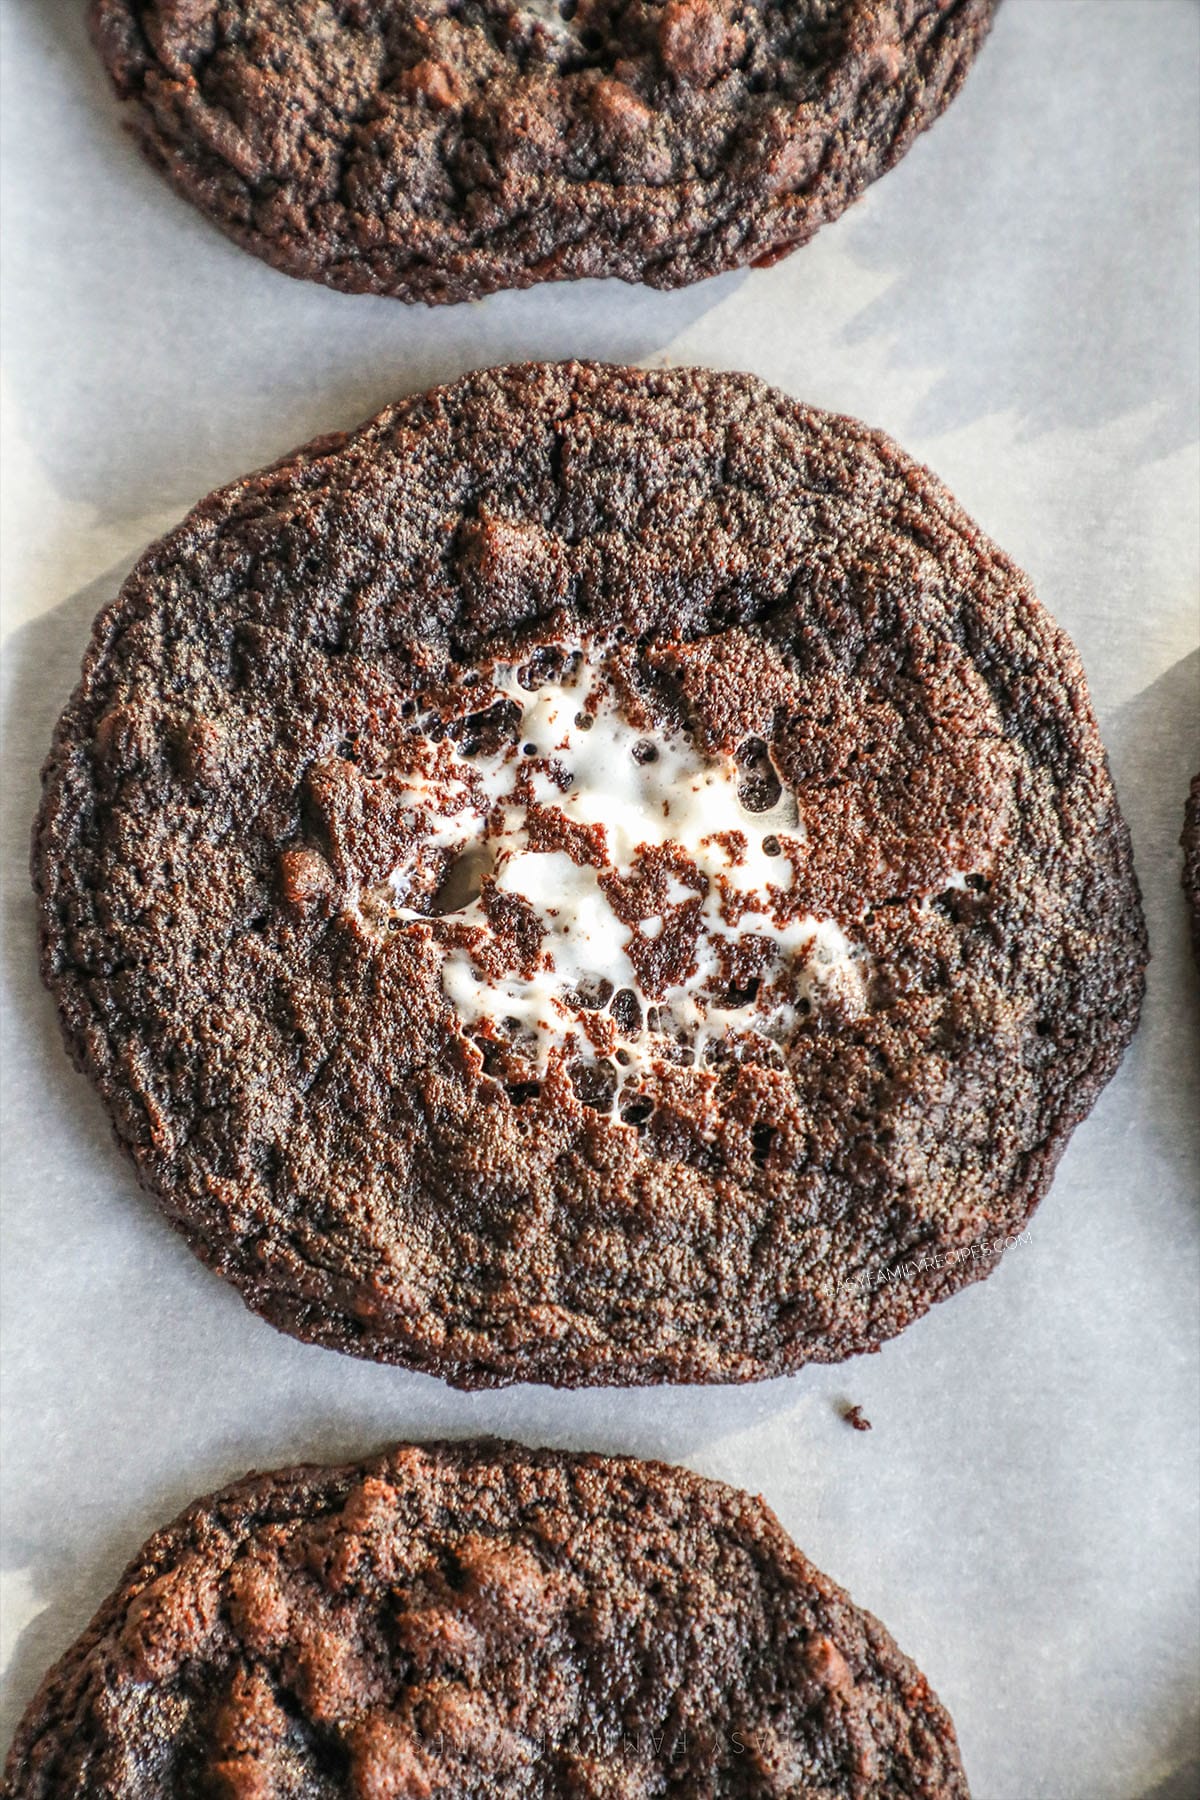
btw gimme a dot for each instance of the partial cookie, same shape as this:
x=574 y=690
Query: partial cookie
x=481 y=1620
x=1190 y=840
x=601 y=875
x=438 y=150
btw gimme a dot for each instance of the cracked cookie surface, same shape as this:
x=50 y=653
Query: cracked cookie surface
x=481 y=1620
x=440 y=150
x=406 y=886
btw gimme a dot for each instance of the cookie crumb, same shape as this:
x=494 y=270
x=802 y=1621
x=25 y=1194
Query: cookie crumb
x=854 y=1415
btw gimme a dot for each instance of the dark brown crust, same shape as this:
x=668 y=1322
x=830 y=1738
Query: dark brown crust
x=1190 y=841
x=440 y=151
x=294 y=1090
x=482 y=1620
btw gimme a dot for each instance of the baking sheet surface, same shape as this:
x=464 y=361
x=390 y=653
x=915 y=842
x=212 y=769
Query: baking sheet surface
x=1016 y=303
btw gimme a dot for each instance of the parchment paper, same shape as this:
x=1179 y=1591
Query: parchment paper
x=1017 y=304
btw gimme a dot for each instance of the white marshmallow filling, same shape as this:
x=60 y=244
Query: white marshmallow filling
x=659 y=901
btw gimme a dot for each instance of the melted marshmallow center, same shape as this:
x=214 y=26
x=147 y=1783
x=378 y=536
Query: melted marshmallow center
x=662 y=900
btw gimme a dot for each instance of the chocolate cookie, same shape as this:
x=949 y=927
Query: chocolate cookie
x=440 y=149
x=481 y=1620
x=601 y=875
x=1190 y=841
